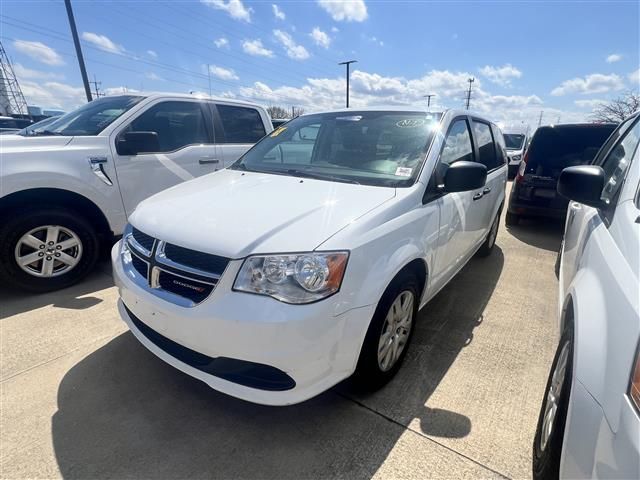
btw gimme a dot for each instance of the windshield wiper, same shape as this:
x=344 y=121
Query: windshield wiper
x=44 y=133
x=319 y=176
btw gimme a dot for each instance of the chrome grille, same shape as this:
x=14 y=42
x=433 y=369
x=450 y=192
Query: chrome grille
x=177 y=274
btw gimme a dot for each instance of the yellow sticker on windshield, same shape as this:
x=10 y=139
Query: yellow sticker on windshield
x=277 y=131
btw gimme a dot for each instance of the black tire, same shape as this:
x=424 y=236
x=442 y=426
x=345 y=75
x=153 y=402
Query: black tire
x=546 y=460
x=369 y=375
x=511 y=219
x=18 y=225
x=487 y=247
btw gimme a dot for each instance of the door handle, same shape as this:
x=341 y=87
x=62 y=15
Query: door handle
x=206 y=160
x=477 y=196
x=486 y=190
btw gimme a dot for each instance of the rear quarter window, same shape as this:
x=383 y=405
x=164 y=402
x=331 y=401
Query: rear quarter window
x=240 y=124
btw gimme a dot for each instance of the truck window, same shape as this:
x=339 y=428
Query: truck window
x=240 y=124
x=177 y=124
x=486 y=147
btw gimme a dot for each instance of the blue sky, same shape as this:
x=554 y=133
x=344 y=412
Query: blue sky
x=559 y=57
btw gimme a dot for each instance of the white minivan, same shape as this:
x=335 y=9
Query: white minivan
x=307 y=260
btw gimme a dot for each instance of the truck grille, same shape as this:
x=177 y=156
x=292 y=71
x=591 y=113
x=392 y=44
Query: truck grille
x=180 y=275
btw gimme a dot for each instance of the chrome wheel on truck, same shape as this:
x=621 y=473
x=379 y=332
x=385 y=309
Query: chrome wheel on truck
x=48 y=251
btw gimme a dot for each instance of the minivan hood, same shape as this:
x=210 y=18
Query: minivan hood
x=234 y=213
x=14 y=143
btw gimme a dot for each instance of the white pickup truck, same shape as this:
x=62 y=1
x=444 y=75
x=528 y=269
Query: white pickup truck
x=68 y=191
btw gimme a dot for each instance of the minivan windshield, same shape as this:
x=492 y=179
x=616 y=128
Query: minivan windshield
x=513 y=141
x=381 y=148
x=92 y=118
x=553 y=149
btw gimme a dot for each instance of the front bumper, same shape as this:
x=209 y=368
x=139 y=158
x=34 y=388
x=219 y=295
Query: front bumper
x=591 y=449
x=309 y=343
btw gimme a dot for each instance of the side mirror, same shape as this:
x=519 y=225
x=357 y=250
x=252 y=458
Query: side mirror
x=463 y=176
x=133 y=143
x=582 y=184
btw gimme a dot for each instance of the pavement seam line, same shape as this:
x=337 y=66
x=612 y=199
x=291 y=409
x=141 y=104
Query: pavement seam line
x=422 y=434
x=46 y=362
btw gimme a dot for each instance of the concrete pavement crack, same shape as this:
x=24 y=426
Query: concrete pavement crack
x=405 y=427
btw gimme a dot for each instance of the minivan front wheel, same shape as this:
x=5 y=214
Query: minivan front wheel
x=46 y=249
x=547 y=444
x=389 y=333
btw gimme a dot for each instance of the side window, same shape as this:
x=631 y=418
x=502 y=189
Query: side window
x=484 y=139
x=457 y=145
x=241 y=124
x=177 y=124
x=298 y=148
x=501 y=146
x=616 y=164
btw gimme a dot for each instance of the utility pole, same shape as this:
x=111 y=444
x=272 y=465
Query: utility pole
x=96 y=87
x=468 y=100
x=540 y=119
x=347 y=63
x=428 y=97
x=76 y=42
x=209 y=74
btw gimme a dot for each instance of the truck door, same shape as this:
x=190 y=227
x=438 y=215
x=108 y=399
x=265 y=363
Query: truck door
x=185 y=149
x=238 y=128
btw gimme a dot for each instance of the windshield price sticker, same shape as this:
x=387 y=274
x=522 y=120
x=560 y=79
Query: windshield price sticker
x=403 y=171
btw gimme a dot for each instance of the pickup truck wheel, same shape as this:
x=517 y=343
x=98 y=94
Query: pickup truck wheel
x=390 y=331
x=547 y=443
x=487 y=247
x=46 y=249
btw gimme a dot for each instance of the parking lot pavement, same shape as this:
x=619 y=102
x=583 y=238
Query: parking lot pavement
x=80 y=397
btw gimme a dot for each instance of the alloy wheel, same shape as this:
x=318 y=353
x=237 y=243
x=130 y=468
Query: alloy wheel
x=395 y=330
x=48 y=251
x=553 y=399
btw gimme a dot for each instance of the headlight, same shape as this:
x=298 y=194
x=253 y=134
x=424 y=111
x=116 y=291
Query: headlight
x=516 y=158
x=293 y=278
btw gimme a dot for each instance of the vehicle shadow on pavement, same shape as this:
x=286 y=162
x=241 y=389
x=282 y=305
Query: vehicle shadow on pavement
x=445 y=327
x=13 y=302
x=122 y=412
x=544 y=233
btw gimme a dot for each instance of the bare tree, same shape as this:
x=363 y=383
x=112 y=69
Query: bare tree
x=618 y=109
x=277 y=112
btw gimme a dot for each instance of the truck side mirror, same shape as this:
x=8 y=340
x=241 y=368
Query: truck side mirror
x=134 y=143
x=582 y=184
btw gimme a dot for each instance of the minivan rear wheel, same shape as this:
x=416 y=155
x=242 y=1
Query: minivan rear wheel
x=389 y=334
x=46 y=249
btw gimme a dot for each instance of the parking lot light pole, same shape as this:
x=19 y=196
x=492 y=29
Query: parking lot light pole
x=76 y=43
x=347 y=63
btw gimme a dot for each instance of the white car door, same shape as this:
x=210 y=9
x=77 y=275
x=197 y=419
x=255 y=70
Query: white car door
x=459 y=212
x=490 y=154
x=185 y=149
x=238 y=128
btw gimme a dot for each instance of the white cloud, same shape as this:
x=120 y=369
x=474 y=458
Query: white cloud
x=53 y=94
x=295 y=51
x=221 y=42
x=153 y=76
x=102 y=42
x=614 y=57
x=348 y=11
x=255 y=47
x=320 y=38
x=223 y=73
x=38 y=51
x=501 y=75
x=589 y=103
x=152 y=53
x=235 y=8
x=634 y=77
x=374 y=40
x=334 y=29
x=594 y=83
x=119 y=90
x=23 y=72
x=279 y=14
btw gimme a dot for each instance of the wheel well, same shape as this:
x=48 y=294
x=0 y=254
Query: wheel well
x=567 y=314
x=419 y=269
x=53 y=197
